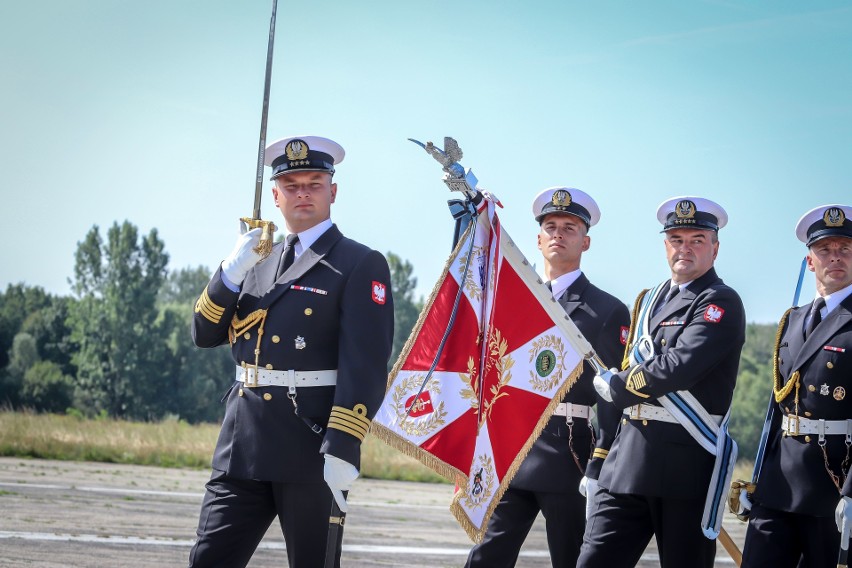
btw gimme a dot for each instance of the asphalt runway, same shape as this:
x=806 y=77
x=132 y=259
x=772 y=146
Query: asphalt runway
x=83 y=514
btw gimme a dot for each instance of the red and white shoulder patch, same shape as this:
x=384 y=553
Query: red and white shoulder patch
x=379 y=292
x=625 y=332
x=714 y=313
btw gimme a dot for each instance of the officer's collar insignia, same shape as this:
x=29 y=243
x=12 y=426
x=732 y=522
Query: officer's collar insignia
x=685 y=209
x=834 y=217
x=296 y=150
x=561 y=198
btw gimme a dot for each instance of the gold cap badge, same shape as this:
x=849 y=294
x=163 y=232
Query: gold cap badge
x=685 y=209
x=834 y=217
x=561 y=198
x=296 y=150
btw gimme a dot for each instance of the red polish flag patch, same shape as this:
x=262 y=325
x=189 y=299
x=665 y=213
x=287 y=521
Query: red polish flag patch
x=714 y=313
x=379 y=292
x=624 y=333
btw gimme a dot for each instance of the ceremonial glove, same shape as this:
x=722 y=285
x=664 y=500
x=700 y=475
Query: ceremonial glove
x=243 y=257
x=339 y=475
x=843 y=518
x=745 y=504
x=589 y=490
x=601 y=384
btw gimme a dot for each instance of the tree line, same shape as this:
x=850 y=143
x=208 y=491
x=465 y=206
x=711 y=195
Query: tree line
x=119 y=345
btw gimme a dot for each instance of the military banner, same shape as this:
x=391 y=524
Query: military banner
x=490 y=357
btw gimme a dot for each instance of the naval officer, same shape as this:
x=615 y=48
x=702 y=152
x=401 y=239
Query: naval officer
x=310 y=329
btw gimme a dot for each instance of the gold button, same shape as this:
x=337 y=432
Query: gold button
x=308 y=311
x=830 y=365
x=247 y=335
x=275 y=339
x=663 y=342
x=269 y=366
x=807 y=438
x=267 y=396
x=241 y=392
x=624 y=421
x=807 y=413
x=811 y=388
x=644 y=423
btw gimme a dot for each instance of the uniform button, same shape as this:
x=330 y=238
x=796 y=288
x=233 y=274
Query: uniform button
x=308 y=311
x=830 y=365
x=269 y=366
x=644 y=423
x=241 y=392
x=624 y=421
x=811 y=388
x=807 y=413
x=247 y=335
x=807 y=438
x=275 y=339
x=663 y=342
x=267 y=396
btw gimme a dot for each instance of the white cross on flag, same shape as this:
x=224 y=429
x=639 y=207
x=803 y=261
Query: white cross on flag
x=492 y=382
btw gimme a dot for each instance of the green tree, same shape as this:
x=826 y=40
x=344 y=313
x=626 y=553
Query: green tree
x=122 y=357
x=15 y=305
x=405 y=308
x=184 y=285
x=754 y=385
x=46 y=388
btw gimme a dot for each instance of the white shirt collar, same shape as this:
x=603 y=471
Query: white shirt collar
x=561 y=283
x=310 y=236
x=833 y=300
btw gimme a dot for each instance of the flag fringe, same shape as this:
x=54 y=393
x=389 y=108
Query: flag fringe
x=475 y=533
x=410 y=449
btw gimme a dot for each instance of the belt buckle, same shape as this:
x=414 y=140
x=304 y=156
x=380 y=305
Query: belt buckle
x=792 y=428
x=637 y=414
x=250 y=382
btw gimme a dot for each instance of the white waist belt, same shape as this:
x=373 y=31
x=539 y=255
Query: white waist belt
x=649 y=412
x=794 y=425
x=266 y=377
x=574 y=410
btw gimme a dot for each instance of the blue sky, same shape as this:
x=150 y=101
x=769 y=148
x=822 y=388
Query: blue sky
x=150 y=112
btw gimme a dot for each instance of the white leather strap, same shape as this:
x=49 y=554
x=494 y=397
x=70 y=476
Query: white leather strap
x=270 y=378
x=574 y=410
x=650 y=412
x=796 y=425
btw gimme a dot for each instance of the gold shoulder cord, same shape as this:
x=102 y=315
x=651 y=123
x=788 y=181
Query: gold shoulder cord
x=625 y=363
x=240 y=326
x=780 y=391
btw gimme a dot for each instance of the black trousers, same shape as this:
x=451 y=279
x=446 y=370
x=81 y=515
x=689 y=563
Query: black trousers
x=565 y=520
x=236 y=513
x=778 y=539
x=620 y=528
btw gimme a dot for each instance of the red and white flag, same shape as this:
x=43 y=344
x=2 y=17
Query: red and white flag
x=490 y=384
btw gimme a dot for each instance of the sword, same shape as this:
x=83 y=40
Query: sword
x=264 y=247
x=335 y=532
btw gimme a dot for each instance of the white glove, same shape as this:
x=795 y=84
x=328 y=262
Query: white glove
x=339 y=475
x=243 y=257
x=601 y=384
x=745 y=504
x=843 y=518
x=589 y=489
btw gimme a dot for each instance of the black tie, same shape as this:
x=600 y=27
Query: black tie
x=673 y=291
x=549 y=285
x=814 y=317
x=289 y=253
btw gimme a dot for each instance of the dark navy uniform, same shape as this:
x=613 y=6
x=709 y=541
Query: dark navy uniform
x=656 y=476
x=549 y=477
x=331 y=310
x=792 y=519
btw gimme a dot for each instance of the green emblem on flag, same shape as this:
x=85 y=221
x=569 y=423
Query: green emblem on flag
x=545 y=363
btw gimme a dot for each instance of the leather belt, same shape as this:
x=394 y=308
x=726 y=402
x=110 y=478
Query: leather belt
x=793 y=425
x=650 y=412
x=267 y=377
x=567 y=409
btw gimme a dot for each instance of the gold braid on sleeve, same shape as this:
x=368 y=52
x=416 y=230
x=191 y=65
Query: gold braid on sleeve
x=625 y=363
x=781 y=391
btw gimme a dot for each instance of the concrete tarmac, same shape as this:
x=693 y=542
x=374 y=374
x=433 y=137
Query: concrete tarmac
x=83 y=514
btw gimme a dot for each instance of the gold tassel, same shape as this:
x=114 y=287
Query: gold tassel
x=264 y=247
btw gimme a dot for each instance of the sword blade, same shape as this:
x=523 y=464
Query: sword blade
x=261 y=147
